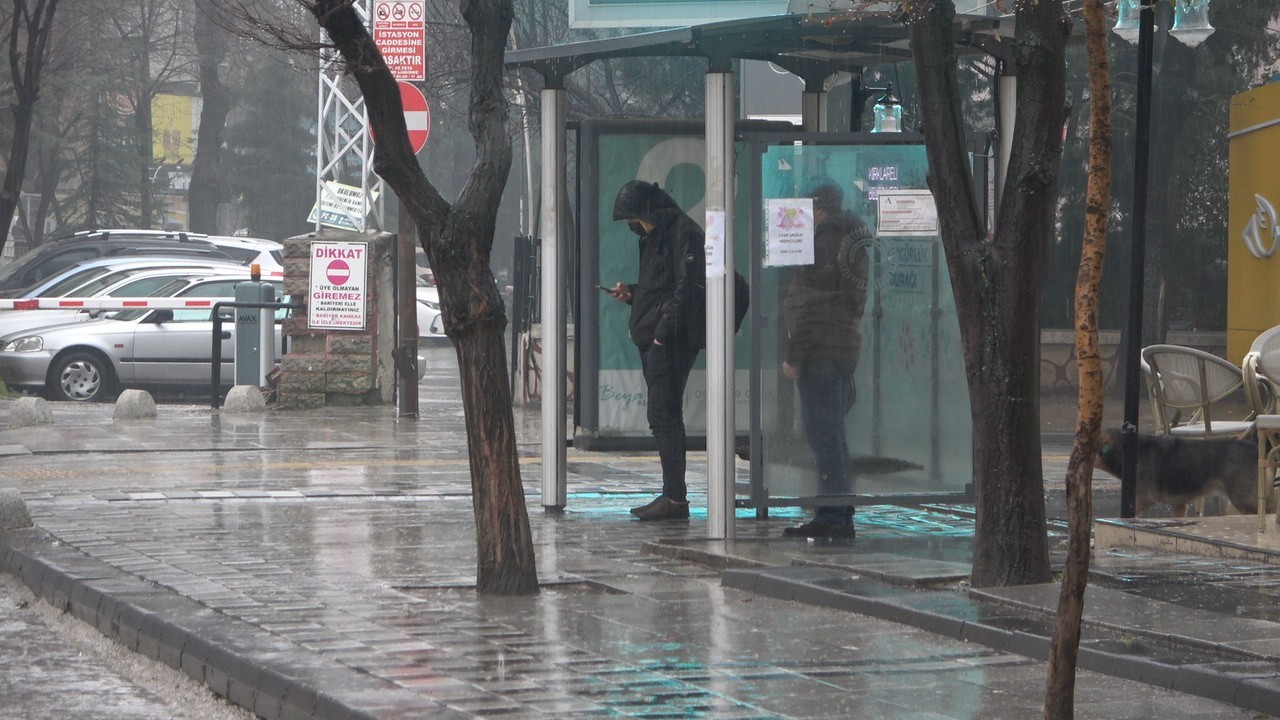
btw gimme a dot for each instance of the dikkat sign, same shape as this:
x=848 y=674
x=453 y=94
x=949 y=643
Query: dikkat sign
x=338 y=294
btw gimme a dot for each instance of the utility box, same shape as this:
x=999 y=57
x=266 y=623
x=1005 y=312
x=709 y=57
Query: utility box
x=340 y=343
x=255 y=333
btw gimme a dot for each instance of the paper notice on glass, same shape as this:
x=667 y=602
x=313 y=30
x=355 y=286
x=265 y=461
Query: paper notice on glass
x=715 y=242
x=788 y=232
x=906 y=212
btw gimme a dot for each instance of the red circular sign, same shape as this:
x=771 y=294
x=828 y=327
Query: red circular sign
x=417 y=116
x=338 y=272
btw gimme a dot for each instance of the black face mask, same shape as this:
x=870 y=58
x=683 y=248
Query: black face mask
x=637 y=228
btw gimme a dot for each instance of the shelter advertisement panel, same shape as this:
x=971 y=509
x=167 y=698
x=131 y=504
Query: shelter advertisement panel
x=610 y=383
x=1253 y=232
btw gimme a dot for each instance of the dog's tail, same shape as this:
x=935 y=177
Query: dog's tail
x=1244 y=496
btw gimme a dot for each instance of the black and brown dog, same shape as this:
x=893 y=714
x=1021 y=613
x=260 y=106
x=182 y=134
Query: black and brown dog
x=1181 y=470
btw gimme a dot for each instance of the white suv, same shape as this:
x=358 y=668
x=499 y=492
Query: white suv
x=268 y=254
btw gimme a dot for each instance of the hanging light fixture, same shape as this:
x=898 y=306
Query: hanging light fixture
x=888 y=112
x=1127 y=14
x=1191 y=22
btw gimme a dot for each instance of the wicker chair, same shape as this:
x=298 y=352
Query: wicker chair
x=1191 y=389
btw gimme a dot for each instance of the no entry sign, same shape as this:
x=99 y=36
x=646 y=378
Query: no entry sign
x=337 y=296
x=417 y=116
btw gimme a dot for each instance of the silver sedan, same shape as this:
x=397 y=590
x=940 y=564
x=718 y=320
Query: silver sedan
x=86 y=361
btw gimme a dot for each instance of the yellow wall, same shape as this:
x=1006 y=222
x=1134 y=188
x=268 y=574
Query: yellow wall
x=1253 y=282
x=173 y=130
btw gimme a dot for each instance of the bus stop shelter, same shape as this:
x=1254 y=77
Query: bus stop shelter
x=812 y=46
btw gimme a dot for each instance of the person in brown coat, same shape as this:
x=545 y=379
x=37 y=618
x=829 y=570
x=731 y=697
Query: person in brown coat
x=822 y=311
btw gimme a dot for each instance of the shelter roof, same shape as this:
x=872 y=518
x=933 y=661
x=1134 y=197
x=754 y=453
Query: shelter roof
x=804 y=44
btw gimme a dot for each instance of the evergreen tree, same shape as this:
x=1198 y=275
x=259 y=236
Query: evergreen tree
x=103 y=187
x=271 y=148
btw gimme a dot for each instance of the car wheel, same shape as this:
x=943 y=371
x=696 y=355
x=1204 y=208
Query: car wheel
x=80 y=377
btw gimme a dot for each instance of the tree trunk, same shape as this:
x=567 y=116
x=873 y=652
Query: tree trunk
x=458 y=241
x=205 y=192
x=997 y=280
x=11 y=192
x=1173 y=101
x=1059 y=701
x=144 y=132
x=31 y=23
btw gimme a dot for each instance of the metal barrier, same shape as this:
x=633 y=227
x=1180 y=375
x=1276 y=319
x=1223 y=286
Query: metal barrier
x=216 y=364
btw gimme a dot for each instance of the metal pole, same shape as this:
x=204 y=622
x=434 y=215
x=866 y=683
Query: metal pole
x=721 y=431
x=554 y=105
x=1137 y=262
x=407 y=310
x=813 y=110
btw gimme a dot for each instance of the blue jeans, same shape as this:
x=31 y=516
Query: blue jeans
x=666 y=372
x=826 y=394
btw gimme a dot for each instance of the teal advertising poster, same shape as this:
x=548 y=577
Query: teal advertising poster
x=671 y=153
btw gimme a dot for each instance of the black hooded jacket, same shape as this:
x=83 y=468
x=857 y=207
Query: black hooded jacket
x=669 y=296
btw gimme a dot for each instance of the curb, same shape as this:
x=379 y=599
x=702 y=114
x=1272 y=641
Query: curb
x=805 y=585
x=250 y=668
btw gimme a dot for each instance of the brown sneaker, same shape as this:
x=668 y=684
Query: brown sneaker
x=664 y=508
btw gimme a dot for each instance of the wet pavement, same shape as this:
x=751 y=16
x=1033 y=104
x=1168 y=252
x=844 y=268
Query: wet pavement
x=320 y=564
x=52 y=673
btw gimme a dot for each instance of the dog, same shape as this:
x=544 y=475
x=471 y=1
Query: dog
x=1181 y=470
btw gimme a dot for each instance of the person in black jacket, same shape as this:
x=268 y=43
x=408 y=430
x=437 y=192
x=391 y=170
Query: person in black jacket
x=822 y=311
x=667 y=312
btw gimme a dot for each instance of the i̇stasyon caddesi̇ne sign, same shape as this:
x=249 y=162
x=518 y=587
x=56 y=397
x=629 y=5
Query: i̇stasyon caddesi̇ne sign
x=338 y=290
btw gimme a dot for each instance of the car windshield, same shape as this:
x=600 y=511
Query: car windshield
x=167 y=290
x=182 y=288
x=144 y=287
x=63 y=287
x=16 y=266
x=89 y=287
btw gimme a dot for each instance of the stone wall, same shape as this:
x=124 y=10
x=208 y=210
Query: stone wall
x=339 y=367
x=1058 y=356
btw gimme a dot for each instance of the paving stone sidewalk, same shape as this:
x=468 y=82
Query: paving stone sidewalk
x=320 y=565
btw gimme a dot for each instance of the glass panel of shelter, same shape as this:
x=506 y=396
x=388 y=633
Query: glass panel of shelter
x=909 y=431
x=910 y=426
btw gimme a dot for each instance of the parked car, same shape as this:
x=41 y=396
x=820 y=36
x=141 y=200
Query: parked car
x=137 y=348
x=268 y=254
x=80 y=279
x=430 y=324
x=141 y=282
x=57 y=255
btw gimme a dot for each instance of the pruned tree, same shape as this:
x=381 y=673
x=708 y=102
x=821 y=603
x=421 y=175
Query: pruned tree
x=996 y=278
x=29 y=27
x=458 y=239
x=270 y=166
x=1059 y=701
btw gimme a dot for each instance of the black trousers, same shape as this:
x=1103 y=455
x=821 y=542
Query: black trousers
x=666 y=372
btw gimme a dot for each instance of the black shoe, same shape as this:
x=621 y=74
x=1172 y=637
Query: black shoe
x=647 y=507
x=663 y=508
x=819 y=529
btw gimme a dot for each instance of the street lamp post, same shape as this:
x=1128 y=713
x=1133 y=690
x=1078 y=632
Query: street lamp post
x=1191 y=27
